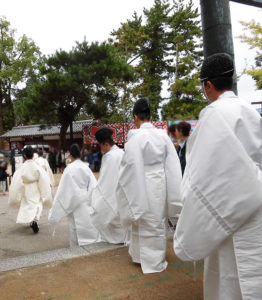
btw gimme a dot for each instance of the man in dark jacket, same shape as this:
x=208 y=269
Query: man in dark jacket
x=182 y=133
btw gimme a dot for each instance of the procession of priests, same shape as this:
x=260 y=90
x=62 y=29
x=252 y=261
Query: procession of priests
x=218 y=202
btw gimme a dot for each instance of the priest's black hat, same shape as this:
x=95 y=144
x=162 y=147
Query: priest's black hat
x=75 y=151
x=28 y=152
x=217 y=65
x=103 y=134
x=141 y=106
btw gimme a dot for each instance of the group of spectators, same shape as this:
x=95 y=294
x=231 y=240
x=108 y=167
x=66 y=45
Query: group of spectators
x=92 y=157
x=58 y=160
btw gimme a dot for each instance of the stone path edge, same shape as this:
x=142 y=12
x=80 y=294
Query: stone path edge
x=45 y=257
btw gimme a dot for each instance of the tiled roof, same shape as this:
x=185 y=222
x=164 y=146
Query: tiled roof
x=34 y=130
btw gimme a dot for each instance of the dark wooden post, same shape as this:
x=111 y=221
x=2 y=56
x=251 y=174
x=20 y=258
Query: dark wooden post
x=217 y=29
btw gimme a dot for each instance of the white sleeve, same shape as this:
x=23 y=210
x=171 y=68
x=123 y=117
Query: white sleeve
x=68 y=197
x=50 y=173
x=173 y=178
x=16 y=189
x=44 y=187
x=131 y=193
x=104 y=211
x=221 y=190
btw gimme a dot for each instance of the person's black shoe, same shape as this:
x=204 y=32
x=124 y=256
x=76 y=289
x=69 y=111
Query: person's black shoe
x=34 y=226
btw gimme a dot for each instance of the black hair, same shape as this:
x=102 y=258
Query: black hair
x=142 y=109
x=104 y=135
x=218 y=69
x=143 y=116
x=28 y=152
x=75 y=151
x=172 y=128
x=109 y=141
x=184 y=127
x=221 y=83
x=40 y=153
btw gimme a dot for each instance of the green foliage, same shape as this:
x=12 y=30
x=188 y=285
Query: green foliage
x=253 y=37
x=18 y=62
x=186 y=93
x=80 y=81
x=166 y=46
x=182 y=109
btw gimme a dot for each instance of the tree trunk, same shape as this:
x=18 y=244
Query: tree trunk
x=10 y=105
x=62 y=140
x=71 y=133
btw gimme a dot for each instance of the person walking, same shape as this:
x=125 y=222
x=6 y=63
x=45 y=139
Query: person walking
x=148 y=189
x=30 y=189
x=221 y=219
x=105 y=214
x=72 y=200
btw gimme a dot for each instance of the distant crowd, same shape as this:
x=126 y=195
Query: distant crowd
x=58 y=160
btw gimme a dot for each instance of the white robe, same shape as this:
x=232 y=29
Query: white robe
x=42 y=162
x=35 y=156
x=105 y=216
x=72 y=200
x=148 y=192
x=221 y=220
x=30 y=188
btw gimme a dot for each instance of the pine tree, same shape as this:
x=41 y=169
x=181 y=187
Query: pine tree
x=164 y=45
x=73 y=83
x=185 y=46
x=253 y=37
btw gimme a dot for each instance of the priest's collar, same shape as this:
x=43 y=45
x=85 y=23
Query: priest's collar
x=147 y=125
x=182 y=143
x=114 y=147
x=227 y=94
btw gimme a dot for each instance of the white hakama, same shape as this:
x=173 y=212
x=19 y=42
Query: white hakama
x=105 y=216
x=30 y=188
x=148 y=192
x=72 y=200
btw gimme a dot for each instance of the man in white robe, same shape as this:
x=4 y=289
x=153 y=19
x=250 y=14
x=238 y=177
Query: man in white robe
x=72 y=201
x=148 y=190
x=105 y=214
x=43 y=163
x=30 y=188
x=221 y=219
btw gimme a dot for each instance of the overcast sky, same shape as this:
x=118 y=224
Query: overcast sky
x=57 y=24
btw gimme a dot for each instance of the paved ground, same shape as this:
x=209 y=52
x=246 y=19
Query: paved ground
x=43 y=267
x=107 y=275
x=17 y=239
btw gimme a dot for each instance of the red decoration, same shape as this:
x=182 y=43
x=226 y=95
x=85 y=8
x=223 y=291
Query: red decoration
x=120 y=131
